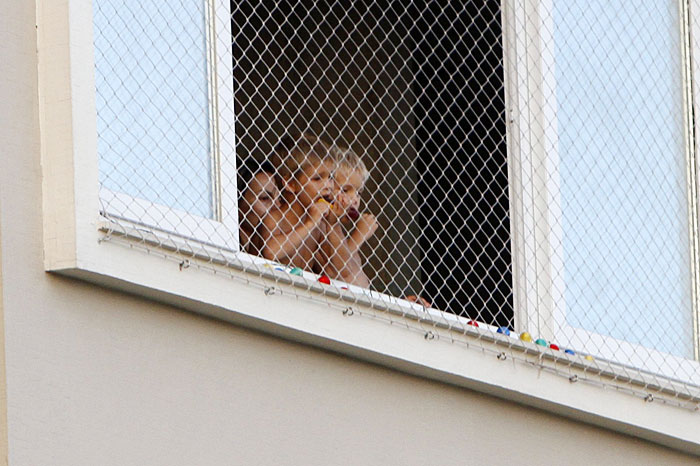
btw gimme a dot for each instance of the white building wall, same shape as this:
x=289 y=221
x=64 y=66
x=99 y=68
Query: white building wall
x=98 y=377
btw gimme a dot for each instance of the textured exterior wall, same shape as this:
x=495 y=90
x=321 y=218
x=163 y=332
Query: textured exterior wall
x=3 y=382
x=98 y=377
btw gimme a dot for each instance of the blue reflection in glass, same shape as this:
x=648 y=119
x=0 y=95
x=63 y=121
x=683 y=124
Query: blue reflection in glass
x=152 y=102
x=623 y=171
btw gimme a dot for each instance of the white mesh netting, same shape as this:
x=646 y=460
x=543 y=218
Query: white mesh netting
x=510 y=175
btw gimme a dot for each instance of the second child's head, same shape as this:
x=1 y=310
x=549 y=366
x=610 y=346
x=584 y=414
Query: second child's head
x=350 y=177
x=304 y=169
x=259 y=191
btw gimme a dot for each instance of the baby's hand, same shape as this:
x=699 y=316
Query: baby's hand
x=333 y=211
x=418 y=299
x=367 y=225
x=319 y=210
x=343 y=200
x=339 y=206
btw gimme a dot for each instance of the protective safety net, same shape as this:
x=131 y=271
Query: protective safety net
x=516 y=176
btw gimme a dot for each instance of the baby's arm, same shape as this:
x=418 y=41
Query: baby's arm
x=281 y=243
x=334 y=248
x=364 y=229
x=339 y=260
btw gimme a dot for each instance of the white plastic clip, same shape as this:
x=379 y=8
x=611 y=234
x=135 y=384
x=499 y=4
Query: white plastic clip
x=270 y=290
x=185 y=264
x=348 y=311
x=649 y=398
x=573 y=378
x=429 y=335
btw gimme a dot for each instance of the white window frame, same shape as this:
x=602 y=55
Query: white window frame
x=222 y=228
x=77 y=245
x=534 y=176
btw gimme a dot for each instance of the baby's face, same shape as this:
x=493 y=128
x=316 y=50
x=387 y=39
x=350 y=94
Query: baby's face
x=349 y=185
x=315 y=182
x=261 y=196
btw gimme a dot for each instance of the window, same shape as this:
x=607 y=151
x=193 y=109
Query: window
x=417 y=91
x=608 y=166
x=164 y=116
x=530 y=167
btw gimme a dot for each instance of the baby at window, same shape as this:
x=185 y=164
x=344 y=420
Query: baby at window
x=347 y=228
x=318 y=225
x=303 y=171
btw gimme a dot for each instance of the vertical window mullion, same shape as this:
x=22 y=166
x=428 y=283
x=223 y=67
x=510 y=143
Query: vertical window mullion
x=689 y=88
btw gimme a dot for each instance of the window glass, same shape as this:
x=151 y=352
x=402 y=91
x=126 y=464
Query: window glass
x=152 y=102
x=623 y=171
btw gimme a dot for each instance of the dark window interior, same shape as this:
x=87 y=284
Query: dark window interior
x=418 y=89
x=466 y=262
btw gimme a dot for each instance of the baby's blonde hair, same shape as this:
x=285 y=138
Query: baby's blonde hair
x=348 y=159
x=297 y=151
